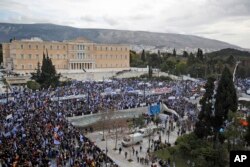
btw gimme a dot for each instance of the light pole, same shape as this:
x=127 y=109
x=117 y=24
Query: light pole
x=144 y=91
x=57 y=100
x=106 y=150
x=26 y=103
x=168 y=134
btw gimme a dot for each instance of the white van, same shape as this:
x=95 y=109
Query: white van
x=132 y=139
x=147 y=131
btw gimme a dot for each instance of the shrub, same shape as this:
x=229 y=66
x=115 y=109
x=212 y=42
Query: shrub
x=33 y=85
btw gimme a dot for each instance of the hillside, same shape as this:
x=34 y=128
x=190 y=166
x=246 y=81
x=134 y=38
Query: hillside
x=228 y=52
x=137 y=39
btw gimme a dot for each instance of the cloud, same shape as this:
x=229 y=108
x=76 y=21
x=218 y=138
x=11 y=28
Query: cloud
x=227 y=20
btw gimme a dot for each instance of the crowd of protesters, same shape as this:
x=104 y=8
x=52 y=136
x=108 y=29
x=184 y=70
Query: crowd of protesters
x=34 y=131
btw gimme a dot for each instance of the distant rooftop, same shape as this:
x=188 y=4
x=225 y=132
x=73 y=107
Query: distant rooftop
x=79 y=39
x=33 y=39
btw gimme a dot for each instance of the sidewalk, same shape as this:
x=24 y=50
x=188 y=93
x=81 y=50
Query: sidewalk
x=119 y=159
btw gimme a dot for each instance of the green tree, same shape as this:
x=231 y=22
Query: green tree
x=231 y=60
x=226 y=98
x=154 y=60
x=174 y=52
x=1 y=53
x=150 y=72
x=143 y=56
x=181 y=68
x=185 y=54
x=199 y=55
x=46 y=76
x=247 y=136
x=203 y=127
x=135 y=60
x=33 y=85
x=191 y=59
x=140 y=121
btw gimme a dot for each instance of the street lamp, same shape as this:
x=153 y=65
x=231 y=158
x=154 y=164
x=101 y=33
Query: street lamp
x=168 y=132
x=106 y=150
x=26 y=99
x=57 y=100
x=144 y=87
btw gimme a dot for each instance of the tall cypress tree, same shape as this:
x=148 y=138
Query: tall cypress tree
x=143 y=56
x=200 y=54
x=174 y=52
x=203 y=127
x=226 y=98
x=47 y=76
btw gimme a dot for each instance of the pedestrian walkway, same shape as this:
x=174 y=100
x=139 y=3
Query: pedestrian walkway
x=120 y=159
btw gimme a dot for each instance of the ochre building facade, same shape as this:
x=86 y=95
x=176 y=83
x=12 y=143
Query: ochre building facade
x=78 y=54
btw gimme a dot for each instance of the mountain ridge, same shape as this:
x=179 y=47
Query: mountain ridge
x=137 y=39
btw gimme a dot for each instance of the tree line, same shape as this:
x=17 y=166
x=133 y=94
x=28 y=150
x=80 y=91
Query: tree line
x=198 y=64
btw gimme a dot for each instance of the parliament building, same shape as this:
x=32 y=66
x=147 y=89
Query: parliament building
x=78 y=54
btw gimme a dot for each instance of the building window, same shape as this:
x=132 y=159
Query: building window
x=63 y=47
x=106 y=48
x=51 y=56
x=111 y=48
x=43 y=46
x=36 y=46
x=125 y=56
x=29 y=46
x=57 y=47
x=29 y=56
x=21 y=56
x=37 y=56
x=50 y=47
x=121 y=48
x=116 y=56
x=21 y=46
x=80 y=47
x=64 y=56
x=58 y=56
x=22 y=66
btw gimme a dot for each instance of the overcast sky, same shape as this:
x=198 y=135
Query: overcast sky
x=226 y=20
